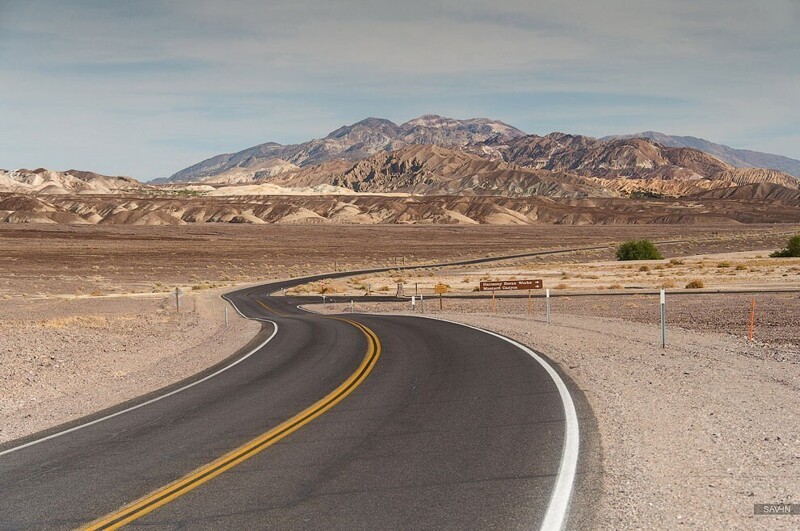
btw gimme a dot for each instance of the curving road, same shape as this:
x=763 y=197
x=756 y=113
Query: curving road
x=354 y=422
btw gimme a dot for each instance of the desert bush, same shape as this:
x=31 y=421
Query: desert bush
x=676 y=261
x=644 y=268
x=668 y=284
x=741 y=267
x=792 y=249
x=638 y=250
x=695 y=284
x=724 y=264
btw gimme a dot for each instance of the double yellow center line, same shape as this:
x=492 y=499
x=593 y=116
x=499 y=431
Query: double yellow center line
x=164 y=495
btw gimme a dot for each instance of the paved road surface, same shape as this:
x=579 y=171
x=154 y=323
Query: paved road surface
x=418 y=424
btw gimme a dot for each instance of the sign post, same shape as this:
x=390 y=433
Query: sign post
x=511 y=285
x=547 y=296
x=178 y=294
x=226 y=317
x=752 y=319
x=440 y=288
x=663 y=319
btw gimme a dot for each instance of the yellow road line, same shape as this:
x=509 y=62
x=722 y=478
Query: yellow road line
x=273 y=310
x=207 y=472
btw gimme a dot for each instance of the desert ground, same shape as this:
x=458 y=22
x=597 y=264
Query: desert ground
x=63 y=359
x=45 y=261
x=687 y=436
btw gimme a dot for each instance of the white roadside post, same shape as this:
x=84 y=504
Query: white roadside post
x=421 y=304
x=178 y=294
x=413 y=303
x=663 y=319
x=226 y=317
x=547 y=298
x=351 y=306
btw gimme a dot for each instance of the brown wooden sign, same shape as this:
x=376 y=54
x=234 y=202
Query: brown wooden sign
x=511 y=285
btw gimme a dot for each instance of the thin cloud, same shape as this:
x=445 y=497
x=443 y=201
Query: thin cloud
x=140 y=87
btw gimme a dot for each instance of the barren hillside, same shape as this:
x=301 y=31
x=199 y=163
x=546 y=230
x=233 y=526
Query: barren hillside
x=43 y=181
x=433 y=170
x=376 y=209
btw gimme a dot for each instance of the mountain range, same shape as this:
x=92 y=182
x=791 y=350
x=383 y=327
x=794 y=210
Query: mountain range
x=428 y=170
x=487 y=138
x=353 y=142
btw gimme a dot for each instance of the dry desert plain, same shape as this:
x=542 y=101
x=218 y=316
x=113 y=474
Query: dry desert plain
x=689 y=436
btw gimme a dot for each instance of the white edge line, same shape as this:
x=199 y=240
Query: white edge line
x=555 y=518
x=156 y=399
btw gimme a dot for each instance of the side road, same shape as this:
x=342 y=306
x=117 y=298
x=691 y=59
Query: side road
x=61 y=360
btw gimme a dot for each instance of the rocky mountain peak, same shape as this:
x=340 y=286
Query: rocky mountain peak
x=369 y=125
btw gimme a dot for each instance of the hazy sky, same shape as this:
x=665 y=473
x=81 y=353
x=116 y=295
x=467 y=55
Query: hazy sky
x=147 y=87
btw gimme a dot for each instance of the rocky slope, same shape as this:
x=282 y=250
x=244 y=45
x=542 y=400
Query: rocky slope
x=434 y=170
x=739 y=158
x=634 y=158
x=352 y=142
x=373 y=209
x=767 y=193
x=42 y=181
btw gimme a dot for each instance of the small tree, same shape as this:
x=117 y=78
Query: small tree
x=638 y=250
x=791 y=250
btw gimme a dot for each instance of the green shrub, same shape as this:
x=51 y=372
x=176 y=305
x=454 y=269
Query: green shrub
x=791 y=250
x=638 y=250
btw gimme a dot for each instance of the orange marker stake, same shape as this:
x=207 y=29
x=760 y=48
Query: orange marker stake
x=752 y=319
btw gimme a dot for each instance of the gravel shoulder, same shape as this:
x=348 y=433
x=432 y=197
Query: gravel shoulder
x=690 y=437
x=63 y=359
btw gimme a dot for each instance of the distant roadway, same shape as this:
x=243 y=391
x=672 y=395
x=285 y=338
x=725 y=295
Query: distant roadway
x=340 y=422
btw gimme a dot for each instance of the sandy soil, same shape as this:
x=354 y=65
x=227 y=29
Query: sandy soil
x=60 y=360
x=691 y=436
x=38 y=261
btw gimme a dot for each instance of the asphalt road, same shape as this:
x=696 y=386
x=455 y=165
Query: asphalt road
x=370 y=422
